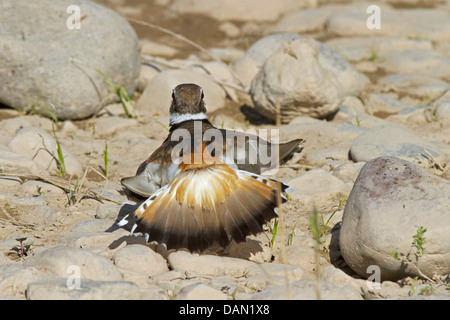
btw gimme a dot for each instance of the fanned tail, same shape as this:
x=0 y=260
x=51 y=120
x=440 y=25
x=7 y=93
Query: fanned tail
x=208 y=206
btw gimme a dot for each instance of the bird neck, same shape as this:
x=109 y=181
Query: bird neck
x=177 y=118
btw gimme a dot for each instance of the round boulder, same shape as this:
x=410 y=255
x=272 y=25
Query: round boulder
x=50 y=51
x=396 y=221
x=306 y=78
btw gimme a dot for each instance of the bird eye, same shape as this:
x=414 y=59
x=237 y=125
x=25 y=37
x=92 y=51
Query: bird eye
x=202 y=95
x=173 y=94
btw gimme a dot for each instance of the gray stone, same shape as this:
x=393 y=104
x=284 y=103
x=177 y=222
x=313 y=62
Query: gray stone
x=93 y=225
x=27 y=201
x=9 y=184
x=11 y=125
x=351 y=81
x=4 y=260
x=200 y=291
x=57 y=260
x=426 y=88
x=302 y=253
x=223 y=284
x=39 y=146
x=113 y=211
x=209 y=265
x=304 y=77
x=227 y=55
x=58 y=289
x=41 y=215
x=417 y=61
x=51 y=67
x=356 y=49
x=443 y=112
x=15 y=277
x=306 y=290
x=359 y=118
x=339 y=277
x=317 y=187
x=348 y=172
x=321 y=157
x=111 y=240
x=248 y=65
x=387 y=290
x=108 y=126
x=111 y=194
x=303 y=21
x=40 y=187
x=153 y=48
x=15 y=163
x=397 y=141
x=138 y=261
x=107 y=211
x=381 y=105
x=333 y=131
x=390 y=200
x=230 y=29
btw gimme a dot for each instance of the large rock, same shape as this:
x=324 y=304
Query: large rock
x=57 y=289
x=415 y=85
x=50 y=67
x=15 y=277
x=309 y=290
x=251 y=62
x=390 y=200
x=65 y=261
x=306 y=78
x=417 y=61
x=217 y=266
x=318 y=187
x=12 y=162
x=397 y=141
x=37 y=145
x=138 y=261
x=200 y=291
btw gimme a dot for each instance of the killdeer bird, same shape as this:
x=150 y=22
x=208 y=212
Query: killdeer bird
x=187 y=107
x=198 y=197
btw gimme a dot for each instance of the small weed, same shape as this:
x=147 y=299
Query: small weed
x=427 y=290
x=417 y=244
x=419 y=240
x=121 y=92
x=435 y=116
x=291 y=234
x=274 y=232
x=395 y=255
x=413 y=283
x=315 y=226
x=61 y=163
x=374 y=55
x=324 y=223
x=162 y=125
x=358 y=123
x=105 y=158
x=73 y=193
